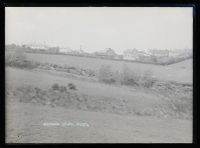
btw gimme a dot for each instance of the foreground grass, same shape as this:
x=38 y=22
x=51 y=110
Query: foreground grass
x=25 y=124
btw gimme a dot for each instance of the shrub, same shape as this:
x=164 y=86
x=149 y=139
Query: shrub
x=117 y=77
x=17 y=58
x=105 y=74
x=55 y=66
x=55 y=86
x=17 y=54
x=147 y=79
x=126 y=76
x=181 y=105
x=71 y=86
x=63 y=89
x=129 y=77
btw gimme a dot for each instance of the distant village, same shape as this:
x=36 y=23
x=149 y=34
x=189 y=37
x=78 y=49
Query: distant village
x=156 y=56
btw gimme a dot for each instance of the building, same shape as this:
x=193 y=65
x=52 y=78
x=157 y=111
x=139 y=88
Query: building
x=65 y=49
x=131 y=54
x=37 y=46
x=180 y=53
x=106 y=53
x=158 y=52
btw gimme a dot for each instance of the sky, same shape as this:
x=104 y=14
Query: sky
x=97 y=28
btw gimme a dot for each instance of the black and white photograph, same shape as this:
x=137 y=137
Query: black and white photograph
x=99 y=74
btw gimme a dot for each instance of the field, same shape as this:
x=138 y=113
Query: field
x=106 y=128
x=115 y=113
x=174 y=72
x=136 y=98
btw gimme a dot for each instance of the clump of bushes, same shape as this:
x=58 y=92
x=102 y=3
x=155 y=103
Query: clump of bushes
x=22 y=64
x=147 y=79
x=106 y=74
x=72 y=86
x=18 y=59
x=57 y=87
x=130 y=77
x=15 y=55
x=126 y=76
x=63 y=89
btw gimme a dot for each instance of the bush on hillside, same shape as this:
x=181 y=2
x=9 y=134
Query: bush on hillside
x=17 y=58
x=15 y=55
x=72 y=86
x=129 y=77
x=147 y=79
x=126 y=76
x=55 y=86
x=105 y=74
x=63 y=89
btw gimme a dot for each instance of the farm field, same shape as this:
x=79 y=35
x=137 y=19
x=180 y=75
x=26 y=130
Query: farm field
x=174 y=72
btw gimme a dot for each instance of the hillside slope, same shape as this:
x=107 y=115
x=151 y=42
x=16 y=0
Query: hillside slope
x=25 y=123
x=167 y=73
x=187 y=64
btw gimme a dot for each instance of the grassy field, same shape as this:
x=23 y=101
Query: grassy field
x=115 y=113
x=25 y=125
x=187 y=64
x=180 y=72
x=139 y=100
x=103 y=126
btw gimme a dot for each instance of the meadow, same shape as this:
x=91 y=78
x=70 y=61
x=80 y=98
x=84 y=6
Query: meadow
x=180 y=72
x=115 y=112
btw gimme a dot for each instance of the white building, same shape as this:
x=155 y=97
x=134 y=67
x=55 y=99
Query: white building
x=65 y=49
x=131 y=54
x=106 y=53
x=180 y=53
x=158 y=52
x=37 y=46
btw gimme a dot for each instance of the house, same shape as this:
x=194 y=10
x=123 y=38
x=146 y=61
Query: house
x=65 y=49
x=158 y=52
x=131 y=54
x=180 y=53
x=106 y=53
x=37 y=46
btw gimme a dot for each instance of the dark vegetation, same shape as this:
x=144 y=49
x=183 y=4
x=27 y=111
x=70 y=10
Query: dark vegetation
x=126 y=76
x=63 y=96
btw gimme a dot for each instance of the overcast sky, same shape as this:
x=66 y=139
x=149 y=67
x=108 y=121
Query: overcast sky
x=103 y=27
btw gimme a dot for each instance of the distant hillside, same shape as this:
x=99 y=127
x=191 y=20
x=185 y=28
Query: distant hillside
x=186 y=64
